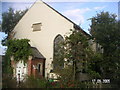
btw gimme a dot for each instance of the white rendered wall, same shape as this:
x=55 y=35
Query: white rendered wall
x=52 y=25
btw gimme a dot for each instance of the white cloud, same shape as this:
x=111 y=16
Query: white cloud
x=17 y=6
x=99 y=8
x=2 y=35
x=76 y=15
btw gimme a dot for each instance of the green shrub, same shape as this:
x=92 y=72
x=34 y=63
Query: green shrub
x=8 y=81
x=32 y=82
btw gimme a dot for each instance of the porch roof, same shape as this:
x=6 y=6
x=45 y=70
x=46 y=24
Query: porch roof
x=36 y=53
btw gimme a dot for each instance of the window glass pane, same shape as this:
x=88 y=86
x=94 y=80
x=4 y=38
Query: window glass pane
x=39 y=67
x=58 y=60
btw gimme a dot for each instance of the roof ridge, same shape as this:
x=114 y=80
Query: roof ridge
x=75 y=25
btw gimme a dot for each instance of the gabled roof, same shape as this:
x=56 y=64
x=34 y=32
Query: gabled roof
x=58 y=12
x=75 y=25
x=36 y=53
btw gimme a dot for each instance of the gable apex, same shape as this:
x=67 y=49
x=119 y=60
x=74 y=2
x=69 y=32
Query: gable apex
x=40 y=1
x=77 y=27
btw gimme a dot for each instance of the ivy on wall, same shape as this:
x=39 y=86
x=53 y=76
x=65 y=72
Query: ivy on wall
x=19 y=49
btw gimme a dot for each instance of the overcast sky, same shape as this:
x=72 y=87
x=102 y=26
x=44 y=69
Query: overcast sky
x=79 y=11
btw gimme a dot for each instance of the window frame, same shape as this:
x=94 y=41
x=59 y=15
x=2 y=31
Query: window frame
x=36 y=26
x=40 y=69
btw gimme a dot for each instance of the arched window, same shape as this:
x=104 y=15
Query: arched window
x=58 y=59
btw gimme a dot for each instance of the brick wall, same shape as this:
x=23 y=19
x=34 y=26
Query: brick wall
x=31 y=70
x=34 y=70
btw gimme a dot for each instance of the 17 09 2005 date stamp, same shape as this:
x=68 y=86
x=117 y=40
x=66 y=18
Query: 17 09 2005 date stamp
x=101 y=81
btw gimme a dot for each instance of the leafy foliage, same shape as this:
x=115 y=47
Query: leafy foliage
x=105 y=30
x=76 y=45
x=6 y=65
x=94 y=69
x=77 y=56
x=19 y=49
x=32 y=82
x=10 y=19
x=8 y=81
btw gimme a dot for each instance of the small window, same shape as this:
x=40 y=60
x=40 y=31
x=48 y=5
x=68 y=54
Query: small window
x=39 y=67
x=37 y=26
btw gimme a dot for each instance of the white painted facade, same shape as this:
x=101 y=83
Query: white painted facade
x=52 y=24
x=21 y=71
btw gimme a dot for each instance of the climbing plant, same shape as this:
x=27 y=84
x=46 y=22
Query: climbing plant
x=19 y=49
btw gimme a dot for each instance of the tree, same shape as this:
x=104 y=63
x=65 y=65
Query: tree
x=79 y=59
x=9 y=20
x=105 y=30
x=76 y=45
x=77 y=53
